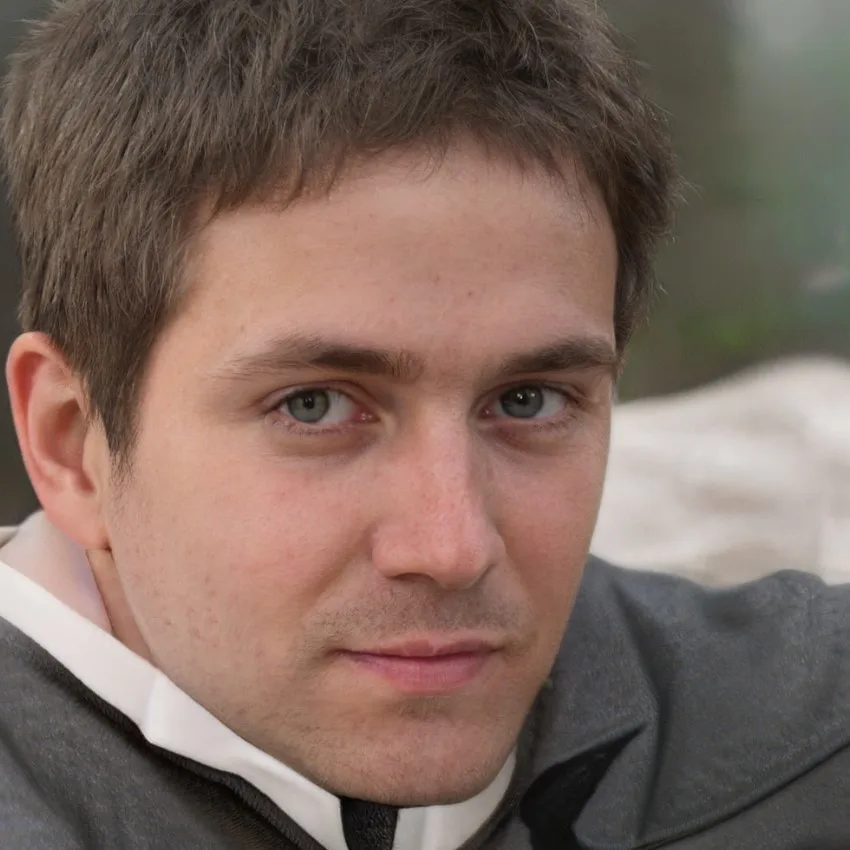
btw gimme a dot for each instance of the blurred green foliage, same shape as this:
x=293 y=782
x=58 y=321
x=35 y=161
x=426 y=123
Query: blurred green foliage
x=758 y=95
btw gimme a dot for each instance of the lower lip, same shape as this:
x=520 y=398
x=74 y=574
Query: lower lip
x=437 y=674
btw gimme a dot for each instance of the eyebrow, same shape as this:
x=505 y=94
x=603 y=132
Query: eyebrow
x=569 y=355
x=303 y=351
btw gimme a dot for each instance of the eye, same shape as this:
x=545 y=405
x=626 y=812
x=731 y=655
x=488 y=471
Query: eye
x=530 y=402
x=314 y=406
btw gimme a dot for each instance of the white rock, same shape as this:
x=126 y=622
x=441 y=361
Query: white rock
x=734 y=480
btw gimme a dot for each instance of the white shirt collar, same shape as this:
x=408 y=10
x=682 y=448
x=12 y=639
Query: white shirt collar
x=170 y=718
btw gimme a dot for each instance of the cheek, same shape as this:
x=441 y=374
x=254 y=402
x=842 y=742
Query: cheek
x=234 y=530
x=547 y=525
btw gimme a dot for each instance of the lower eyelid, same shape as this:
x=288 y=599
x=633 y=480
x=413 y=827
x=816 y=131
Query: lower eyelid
x=300 y=429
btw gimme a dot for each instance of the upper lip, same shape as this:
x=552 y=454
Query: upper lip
x=431 y=647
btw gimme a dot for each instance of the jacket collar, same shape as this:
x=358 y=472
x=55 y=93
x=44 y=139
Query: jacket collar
x=662 y=716
x=594 y=727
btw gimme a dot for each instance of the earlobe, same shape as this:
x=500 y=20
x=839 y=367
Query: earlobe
x=60 y=443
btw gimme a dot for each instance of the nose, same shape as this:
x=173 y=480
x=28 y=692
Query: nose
x=438 y=517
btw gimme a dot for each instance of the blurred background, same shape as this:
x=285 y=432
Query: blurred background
x=758 y=94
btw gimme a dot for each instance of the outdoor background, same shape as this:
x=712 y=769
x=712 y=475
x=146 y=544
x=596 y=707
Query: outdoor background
x=758 y=93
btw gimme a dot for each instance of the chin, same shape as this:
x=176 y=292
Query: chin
x=427 y=772
x=421 y=794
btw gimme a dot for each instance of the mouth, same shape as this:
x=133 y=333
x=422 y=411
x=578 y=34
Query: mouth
x=426 y=666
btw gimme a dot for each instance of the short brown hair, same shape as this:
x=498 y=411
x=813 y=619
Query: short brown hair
x=123 y=118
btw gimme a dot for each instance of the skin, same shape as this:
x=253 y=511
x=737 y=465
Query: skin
x=247 y=552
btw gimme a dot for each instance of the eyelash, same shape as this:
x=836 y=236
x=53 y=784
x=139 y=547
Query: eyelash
x=572 y=401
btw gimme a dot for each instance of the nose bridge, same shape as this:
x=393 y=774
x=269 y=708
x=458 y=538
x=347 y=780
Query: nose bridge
x=438 y=521
x=451 y=486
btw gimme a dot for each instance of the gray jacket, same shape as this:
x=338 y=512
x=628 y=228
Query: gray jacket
x=675 y=717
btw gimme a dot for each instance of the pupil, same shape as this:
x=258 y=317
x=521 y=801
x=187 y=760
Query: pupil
x=309 y=406
x=523 y=402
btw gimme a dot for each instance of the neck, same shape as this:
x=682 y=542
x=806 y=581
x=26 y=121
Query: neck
x=42 y=553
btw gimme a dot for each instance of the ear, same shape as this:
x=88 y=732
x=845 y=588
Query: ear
x=64 y=449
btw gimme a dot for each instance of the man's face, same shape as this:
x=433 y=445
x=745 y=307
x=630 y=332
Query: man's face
x=370 y=457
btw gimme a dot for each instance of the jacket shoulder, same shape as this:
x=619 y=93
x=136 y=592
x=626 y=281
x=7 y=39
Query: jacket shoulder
x=29 y=815
x=733 y=636
x=742 y=690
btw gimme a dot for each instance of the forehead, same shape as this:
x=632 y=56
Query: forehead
x=469 y=256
